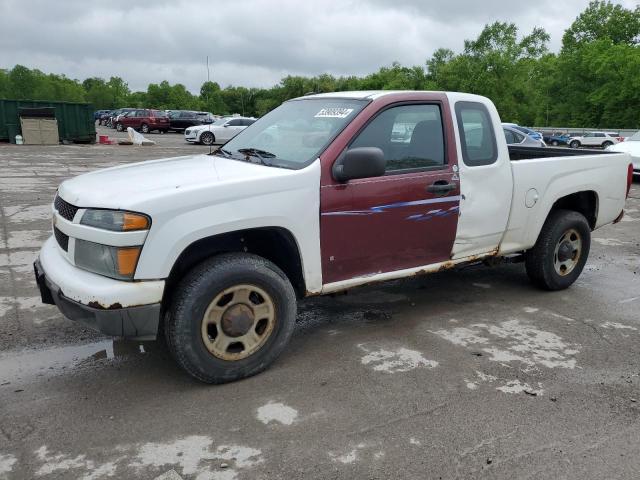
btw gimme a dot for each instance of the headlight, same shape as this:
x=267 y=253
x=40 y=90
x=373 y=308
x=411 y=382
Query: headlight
x=115 y=262
x=115 y=220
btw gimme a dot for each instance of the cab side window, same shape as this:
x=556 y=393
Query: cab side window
x=410 y=136
x=477 y=137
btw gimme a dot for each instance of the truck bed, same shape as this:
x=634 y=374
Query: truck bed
x=517 y=152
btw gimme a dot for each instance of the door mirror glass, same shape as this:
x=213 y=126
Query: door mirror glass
x=361 y=162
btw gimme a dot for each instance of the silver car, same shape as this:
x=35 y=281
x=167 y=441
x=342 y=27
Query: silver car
x=516 y=137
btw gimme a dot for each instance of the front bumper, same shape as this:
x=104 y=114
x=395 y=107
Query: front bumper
x=192 y=136
x=102 y=304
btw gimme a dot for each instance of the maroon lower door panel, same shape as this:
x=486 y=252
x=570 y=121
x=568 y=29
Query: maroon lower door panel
x=386 y=224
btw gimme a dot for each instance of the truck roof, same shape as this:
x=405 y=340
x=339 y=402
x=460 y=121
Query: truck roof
x=368 y=94
x=375 y=94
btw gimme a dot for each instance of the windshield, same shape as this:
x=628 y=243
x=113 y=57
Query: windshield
x=634 y=138
x=297 y=131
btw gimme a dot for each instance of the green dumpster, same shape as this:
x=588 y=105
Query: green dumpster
x=13 y=130
x=75 y=120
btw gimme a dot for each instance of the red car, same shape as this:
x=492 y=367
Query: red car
x=144 y=120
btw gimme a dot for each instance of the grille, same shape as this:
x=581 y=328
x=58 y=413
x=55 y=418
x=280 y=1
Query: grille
x=66 y=210
x=61 y=238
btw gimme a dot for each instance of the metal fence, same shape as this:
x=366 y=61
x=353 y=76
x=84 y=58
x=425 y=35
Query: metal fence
x=577 y=132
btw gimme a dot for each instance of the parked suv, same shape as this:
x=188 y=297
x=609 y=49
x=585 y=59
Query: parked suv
x=99 y=113
x=104 y=117
x=113 y=118
x=181 y=119
x=595 y=139
x=144 y=120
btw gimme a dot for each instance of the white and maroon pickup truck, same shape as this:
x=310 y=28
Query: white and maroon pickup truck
x=325 y=193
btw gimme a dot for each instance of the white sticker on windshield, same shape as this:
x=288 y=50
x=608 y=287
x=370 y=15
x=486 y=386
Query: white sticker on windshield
x=336 y=112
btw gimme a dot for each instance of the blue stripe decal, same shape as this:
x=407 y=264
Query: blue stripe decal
x=383 y=208
x=434 y=213
x=427 y=201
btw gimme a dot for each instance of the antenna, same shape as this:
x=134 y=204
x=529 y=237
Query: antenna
x=208 y=81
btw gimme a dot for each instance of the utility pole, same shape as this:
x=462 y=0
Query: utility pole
x=208 y=81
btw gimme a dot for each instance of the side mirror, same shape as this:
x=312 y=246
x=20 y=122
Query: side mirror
x=225 y=125
x=361 y=162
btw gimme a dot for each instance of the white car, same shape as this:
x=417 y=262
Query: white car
x=221 y=131
x=631 y=146
x=595 y=139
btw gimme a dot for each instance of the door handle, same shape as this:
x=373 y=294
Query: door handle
x=441 y=187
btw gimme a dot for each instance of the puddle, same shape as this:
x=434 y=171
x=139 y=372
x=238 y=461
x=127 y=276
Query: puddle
x=25 y=364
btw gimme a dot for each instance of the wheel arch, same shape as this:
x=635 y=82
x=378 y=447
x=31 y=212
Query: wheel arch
x=276 y=244
x=585 y=202
x=199 y=137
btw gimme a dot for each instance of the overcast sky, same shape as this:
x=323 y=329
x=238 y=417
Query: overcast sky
x=252 y=42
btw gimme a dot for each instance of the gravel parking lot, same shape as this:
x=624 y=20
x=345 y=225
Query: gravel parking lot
x=470 y=373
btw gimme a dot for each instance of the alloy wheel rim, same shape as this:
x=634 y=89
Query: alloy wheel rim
x=238 y=322
x=567 y=252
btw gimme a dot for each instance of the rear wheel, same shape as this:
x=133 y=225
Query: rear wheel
x=559 y=255
x=144 y=128
x=207 y=138
x=607 y=144
x=575 y=144
x=232 y=317
x=555 y=143
x=119 y=127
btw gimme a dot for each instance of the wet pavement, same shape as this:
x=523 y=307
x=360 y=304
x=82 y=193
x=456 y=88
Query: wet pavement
x=463 y=374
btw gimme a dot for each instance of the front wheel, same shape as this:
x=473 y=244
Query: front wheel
x=207 y=138
x=232 y=316
x=119 y=127
x=561 y=251
x=555 y=143
x=144 y=128
x=575 y=144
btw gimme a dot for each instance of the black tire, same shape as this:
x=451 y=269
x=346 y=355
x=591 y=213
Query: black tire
x=144 y=128
x=555 y=143
x=197 y=290
x=607 y=144
x=207 y=138
x=119 y=127
x=575 y=144
x=540 y=260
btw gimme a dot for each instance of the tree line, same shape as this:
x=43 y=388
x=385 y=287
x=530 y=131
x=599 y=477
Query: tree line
x=594 y=80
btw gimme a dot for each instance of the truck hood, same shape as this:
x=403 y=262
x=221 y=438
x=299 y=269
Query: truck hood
x=128 y=186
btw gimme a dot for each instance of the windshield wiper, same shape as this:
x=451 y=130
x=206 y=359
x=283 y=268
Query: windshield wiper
x=222 y=151
x=262 y=155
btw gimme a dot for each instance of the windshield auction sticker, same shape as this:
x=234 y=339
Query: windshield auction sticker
x=334 y=112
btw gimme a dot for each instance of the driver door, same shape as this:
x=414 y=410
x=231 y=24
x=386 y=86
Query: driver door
x=406 y=218
x=229 y=130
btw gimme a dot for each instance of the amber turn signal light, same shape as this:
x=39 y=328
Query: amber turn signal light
x=127 y=260
x=134 y=221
